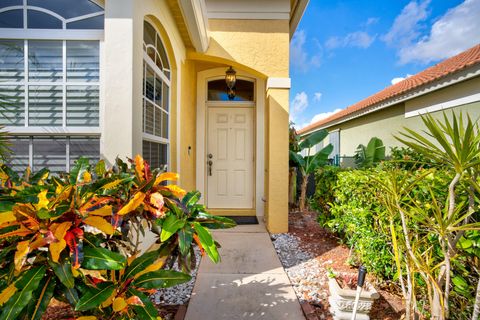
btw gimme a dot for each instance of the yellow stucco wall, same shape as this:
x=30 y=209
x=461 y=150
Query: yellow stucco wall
x=188 y=125
x=276 y=213
x=259 y=47
x=388 y=122
x=262 y=45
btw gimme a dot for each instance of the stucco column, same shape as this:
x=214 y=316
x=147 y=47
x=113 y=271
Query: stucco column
x=117 y=81
x=276 y=214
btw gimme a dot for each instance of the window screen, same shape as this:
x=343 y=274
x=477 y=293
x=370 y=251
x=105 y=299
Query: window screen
x=155 y=154
x=57 y=153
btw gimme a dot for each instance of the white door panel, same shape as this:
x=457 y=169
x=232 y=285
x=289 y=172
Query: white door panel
x=230 y=178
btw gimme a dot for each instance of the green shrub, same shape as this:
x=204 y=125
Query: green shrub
x=325 y=181
x=356 y=216
x=76 y=237
x=408 y=159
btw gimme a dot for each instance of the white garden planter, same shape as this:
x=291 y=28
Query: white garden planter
x=343 y=300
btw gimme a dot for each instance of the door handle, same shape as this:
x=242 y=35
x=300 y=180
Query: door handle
x=210 y=163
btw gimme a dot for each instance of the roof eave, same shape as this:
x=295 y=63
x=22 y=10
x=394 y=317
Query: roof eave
x=195 y=16
x=457 y=77
x=298 y=9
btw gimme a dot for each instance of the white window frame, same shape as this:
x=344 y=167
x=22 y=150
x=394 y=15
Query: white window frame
x=63 y=35
x=53 y=34
x=67 y=146
x=148 y=62
x=26 y=83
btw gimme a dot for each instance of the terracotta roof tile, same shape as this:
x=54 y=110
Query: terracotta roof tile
x=451 y=65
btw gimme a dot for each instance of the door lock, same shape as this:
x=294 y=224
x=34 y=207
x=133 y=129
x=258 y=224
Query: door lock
x=210 y=163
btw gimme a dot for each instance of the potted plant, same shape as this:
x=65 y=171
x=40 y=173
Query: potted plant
x=343 y=289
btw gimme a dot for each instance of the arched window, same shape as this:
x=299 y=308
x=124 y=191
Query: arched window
x=50 y=80
x=156 y=98
x=51 y=14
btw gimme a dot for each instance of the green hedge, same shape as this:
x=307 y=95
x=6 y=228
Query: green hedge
x=348 y=204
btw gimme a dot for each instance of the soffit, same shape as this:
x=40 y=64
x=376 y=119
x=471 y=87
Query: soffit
x=180 y=22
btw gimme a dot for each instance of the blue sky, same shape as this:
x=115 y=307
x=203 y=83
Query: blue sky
x=344 y=51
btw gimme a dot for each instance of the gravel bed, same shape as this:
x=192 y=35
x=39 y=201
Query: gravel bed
x=306 y=273
x=180 y=294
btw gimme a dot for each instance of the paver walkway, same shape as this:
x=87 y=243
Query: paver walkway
x=249 y=282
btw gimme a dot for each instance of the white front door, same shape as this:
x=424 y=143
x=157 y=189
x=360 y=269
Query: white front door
x=230 y=158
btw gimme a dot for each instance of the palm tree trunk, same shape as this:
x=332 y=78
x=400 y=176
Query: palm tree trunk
x=303 y=193
x=292 y=181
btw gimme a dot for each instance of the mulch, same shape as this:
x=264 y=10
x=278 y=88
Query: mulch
x=61 y=311
x=328 y=250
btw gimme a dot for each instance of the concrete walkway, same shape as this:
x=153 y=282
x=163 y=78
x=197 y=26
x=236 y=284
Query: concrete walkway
x=249 y=282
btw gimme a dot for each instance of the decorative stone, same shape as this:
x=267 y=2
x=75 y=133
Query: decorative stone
x=342 y=301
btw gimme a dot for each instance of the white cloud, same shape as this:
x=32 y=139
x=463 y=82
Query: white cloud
x=299 y=57
x=360 y=39
x=407 y=25
x=457 y=30
x=318 y=117
x=324 y=115
x=398 y=79
x=317 y=96
x=372 y=20
x=298 y=105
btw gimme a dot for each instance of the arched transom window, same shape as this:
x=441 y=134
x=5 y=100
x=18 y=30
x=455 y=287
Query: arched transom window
x=50 y=81
x=156 y=98
x=51 y=14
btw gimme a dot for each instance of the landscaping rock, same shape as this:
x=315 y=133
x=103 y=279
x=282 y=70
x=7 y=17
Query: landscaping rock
x=178 y=295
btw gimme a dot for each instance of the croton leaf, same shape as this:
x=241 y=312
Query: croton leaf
x=140 y=264
x=59 y=231
x=132 y=204
x=41 y=298
x=94 y=297
x=63 y=271
x=102 y=259
x=105 y=211
x=7 y=293
x=78 y=170
x=191 y=198
x=119 y=304
x=146 y=311
x=165 y=176
x=170 y=226
x=99 y=223
x=176 y=190
x=26 y=284
x=100 y=168
x=21 y=254
x=207 y=242
x=161 y=279
x=6 y=217
x=215 y=222
x=185 y=237
x=72 y=295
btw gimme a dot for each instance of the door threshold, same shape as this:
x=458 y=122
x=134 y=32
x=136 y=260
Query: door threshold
x=244 y=220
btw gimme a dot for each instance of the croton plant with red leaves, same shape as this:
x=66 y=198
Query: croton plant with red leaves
x=75 y=237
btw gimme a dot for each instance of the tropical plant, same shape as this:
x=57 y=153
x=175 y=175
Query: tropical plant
x=325 y=180
x=310 y=162
x=76 y=237
x=293 y=146
x=370 y=155
x=455 y=144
